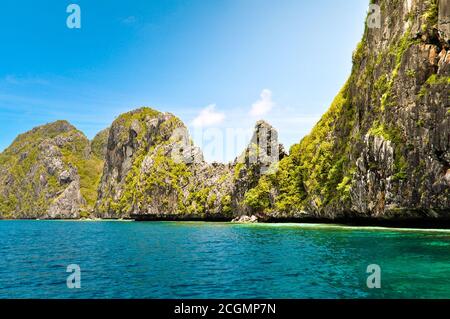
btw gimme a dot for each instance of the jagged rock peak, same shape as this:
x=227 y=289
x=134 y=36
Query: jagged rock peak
x=264 y=147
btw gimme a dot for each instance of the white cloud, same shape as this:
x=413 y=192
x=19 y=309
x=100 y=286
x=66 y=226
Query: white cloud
x=24 y=80
x=129 y=20
x=208 y=117
x=264 y=105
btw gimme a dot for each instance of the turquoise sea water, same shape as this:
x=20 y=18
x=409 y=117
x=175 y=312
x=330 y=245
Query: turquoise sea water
x=219 y=260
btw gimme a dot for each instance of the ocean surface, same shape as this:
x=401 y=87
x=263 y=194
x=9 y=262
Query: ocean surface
x=219 y=260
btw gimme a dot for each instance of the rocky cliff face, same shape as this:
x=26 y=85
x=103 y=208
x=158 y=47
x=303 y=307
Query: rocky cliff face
x=382 y=151
x=140 y=174
x=48 y=173
x=145 y=166
x=153 y=171
x=260 y=158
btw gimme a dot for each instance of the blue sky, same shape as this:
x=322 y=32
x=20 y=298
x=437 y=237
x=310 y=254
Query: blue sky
x=214 y=63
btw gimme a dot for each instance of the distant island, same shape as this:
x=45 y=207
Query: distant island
x=379 y=155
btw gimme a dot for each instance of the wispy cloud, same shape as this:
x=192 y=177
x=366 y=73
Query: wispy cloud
x=129 y=20
x=24 y=80
x=208 y=117
x=264 y=105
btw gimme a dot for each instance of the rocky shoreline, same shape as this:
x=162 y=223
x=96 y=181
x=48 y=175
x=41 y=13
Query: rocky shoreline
x=415 y=223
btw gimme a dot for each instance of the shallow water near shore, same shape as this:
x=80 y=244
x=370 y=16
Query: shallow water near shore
x=220 y=260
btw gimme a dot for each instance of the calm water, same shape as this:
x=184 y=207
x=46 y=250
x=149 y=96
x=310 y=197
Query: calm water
x=204 y=260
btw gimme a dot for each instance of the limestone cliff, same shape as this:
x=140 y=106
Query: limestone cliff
x=48 y=172
x=382 y=151
x=153 y=171
x=140 y=174
x=145 y=166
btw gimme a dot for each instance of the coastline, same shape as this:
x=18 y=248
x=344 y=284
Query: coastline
x=413 y=222
x=369 y=224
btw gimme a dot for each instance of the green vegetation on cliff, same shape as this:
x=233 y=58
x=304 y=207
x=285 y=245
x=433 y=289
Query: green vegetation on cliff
x=163 y=177
x=21 y=170
x=89 y=168
x=40 y=164
x=313 y=173
x=319 y=174
x=431 y=14
x=99 y=143
x=153 y=178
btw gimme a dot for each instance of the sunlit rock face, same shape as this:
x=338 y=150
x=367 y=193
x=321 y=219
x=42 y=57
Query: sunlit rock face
x=49 y=173
x=153 y=171
x=382 y=151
